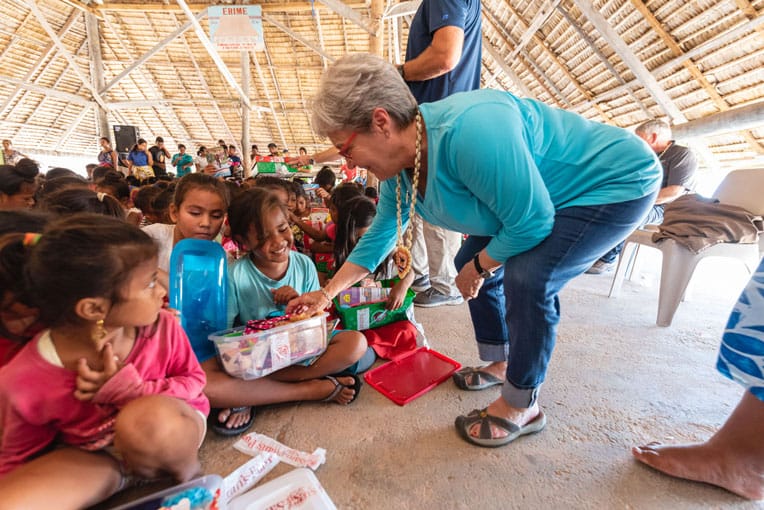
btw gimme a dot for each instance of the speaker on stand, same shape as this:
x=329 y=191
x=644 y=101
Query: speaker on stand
x=124 y=138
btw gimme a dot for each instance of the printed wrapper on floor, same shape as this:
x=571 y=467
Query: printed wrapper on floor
x=254 y=444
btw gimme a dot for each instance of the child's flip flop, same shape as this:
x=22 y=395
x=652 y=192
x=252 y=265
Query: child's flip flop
x=220 y=428
x=338 y=387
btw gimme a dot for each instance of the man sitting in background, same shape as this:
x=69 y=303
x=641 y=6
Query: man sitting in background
x=679 y=167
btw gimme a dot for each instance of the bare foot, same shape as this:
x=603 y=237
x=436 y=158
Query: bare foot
x=327 y=387
x=517 y=415
x=497 y=368
x=704 y=463
x=233 y=420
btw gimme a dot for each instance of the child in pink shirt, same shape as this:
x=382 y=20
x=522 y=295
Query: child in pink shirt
x=112 y=390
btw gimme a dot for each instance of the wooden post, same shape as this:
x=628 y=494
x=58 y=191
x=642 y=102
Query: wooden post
x=376 y=46
x=96 y=70
x=245 y=114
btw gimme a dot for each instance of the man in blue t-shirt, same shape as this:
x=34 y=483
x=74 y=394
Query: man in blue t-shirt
x=443 y=56
x=443 y=53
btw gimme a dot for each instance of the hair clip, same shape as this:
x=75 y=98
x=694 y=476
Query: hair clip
x=31 y=238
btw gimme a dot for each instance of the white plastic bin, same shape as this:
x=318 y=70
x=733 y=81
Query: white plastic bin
x=254 y=355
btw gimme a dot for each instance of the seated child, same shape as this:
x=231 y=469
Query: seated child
x=112 y=390
x=260 y=284
x=301 y=209
x=77 y=200
x=326 y=180
x=286 y=192
x=19 y=319
x=142 y=199
x=198 y=211
x=354 y=219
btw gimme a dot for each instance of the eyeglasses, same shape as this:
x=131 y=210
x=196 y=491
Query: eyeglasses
x=346 y=146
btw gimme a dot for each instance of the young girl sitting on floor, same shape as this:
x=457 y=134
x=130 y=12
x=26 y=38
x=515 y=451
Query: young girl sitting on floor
x=112 y=389
x=354 y=219
x=260 y=284
x=198 y=211
x=19 y=319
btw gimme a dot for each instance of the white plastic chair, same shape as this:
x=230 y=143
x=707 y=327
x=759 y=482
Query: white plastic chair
x=743 y=188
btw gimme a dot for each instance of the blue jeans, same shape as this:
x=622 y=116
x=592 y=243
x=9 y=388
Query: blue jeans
x=516 y=313
x=654 y=217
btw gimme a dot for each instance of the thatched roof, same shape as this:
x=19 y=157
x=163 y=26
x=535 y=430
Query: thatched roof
x=620 y=62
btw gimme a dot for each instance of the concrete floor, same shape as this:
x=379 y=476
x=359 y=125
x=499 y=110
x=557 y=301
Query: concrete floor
x=616 y=380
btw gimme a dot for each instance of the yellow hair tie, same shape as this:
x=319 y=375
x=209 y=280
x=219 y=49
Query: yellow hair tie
x=31 y=238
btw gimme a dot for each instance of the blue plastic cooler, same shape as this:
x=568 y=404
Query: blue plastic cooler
x=199 y=291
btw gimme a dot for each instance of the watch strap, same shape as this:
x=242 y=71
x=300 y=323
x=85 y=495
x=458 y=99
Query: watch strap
x=483 y=273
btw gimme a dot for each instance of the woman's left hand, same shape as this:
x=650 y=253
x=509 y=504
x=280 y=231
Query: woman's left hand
x=469 y=281
x=396 y=297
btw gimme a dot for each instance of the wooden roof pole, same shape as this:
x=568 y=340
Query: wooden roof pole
x=213 y=53
x=46 y=53
x=727 y=37
x=641 y=72
x=735 y=119
x=66 y=96
x=245 y=140
x=297 y=37
x=376 y=46
x=580 y=31
x=628 y=57
x=530 y=66
x=499 y=60
x=143 y=58
x=204 y=84
x=268 y=95
x=96 y=72
x=489 y=16
x=64 y=51
x=347 y=12
x=699 y=77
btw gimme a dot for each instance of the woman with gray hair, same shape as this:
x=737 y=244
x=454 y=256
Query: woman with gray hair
x=541 y=192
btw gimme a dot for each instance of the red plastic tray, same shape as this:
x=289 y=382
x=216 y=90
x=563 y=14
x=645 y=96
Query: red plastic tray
x=412 y=375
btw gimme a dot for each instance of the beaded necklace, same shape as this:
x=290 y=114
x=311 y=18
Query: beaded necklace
x=402 y=253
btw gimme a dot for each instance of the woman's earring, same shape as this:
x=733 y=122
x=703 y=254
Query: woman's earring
x=99 y=332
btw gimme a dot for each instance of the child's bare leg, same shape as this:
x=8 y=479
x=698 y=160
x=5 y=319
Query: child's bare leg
x=158 y=435
x=225 y=391
x=732 y=459
x=345 y=348
x=62 y=479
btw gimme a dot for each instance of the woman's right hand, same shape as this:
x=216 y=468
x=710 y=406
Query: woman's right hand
x=309 y=303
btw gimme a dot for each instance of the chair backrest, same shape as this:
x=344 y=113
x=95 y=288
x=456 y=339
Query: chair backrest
x=743 y=188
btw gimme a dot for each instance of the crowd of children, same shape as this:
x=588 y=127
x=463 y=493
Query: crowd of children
x=95 y=373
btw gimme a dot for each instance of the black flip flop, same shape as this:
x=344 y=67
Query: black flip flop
x=338 y=386
x=219 y=427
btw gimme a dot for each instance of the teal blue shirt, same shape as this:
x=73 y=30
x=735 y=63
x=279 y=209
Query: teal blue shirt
x=180 y=161
x=249 y=290
x=500 y=166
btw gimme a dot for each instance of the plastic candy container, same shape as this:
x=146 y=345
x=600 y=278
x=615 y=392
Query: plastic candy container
x=256 y=354
x=298 y=489
x=199 y=494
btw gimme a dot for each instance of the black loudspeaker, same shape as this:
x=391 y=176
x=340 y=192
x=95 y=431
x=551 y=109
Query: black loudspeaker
x=125 y=137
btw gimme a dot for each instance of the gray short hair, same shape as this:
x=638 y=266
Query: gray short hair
x=655 y=126
x=352 y=87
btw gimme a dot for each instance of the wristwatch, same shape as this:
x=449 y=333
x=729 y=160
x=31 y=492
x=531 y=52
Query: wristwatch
x=484 y=273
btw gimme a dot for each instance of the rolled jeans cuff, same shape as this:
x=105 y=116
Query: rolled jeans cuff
x=493 y=352
x=519 y=397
